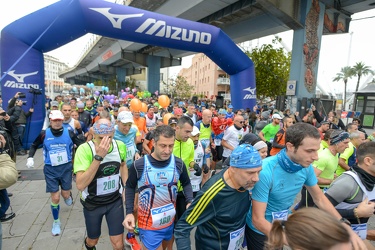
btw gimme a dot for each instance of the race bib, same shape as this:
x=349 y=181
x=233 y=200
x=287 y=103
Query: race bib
x=162 y=216
x=58 y=157
x=107 y=185
x=360 y=230
x=196 y=185
x=282 y=215
x=217 y=142
x=236 y=239
x=130 y=152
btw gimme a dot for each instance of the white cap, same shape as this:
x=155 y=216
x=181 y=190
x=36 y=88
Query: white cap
x=276 y=116
x=56 y=115
x=125 y=117
x=195 y=131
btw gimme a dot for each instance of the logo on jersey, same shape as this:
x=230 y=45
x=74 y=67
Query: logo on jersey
x=252 y=94
x=161 y=177
x=20 y=80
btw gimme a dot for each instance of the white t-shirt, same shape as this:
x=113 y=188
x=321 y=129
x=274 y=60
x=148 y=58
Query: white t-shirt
x=232 y=136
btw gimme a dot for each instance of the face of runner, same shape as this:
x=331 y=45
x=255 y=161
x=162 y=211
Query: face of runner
x=306 y=153
x=163 y=148
x=263 y=152
x=56 y=124
x=124 y=127
x=246 y=177
x=66 y=110
x=341 y=146
x=183 y=133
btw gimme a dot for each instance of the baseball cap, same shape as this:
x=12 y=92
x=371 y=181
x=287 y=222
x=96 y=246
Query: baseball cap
x=222 y=112
x=56 y=115
x=276 y=116
x=245 y=156
x=195 y=131
x=248 y=138
x=172 y=120
x=125 y=117
x=54 y=104
x=80 y=105
x=324 y=122
x=230 y=106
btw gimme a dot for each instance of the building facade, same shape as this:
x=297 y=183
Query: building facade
x=54 y=85
x=208 y=79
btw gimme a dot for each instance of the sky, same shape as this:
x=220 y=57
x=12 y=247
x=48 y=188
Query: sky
x=337 y=51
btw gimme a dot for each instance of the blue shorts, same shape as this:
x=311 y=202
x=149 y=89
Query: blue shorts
x=114 y=215
x=152 y=239
x=58 y=176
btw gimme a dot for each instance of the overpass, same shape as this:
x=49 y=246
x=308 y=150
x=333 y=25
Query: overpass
x=241 y=20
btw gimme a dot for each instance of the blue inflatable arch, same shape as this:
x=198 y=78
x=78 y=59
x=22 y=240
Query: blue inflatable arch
x=24 y=41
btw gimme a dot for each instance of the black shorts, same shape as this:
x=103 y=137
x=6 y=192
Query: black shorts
x=114 y=215
x=217 y=153
x=254 y=240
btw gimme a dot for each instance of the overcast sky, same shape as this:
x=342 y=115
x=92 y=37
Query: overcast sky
x=336 y=50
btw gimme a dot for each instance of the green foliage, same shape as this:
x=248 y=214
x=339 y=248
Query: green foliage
x=360 y=69
x=272 y=66
x=180 y=88
x=344 y=75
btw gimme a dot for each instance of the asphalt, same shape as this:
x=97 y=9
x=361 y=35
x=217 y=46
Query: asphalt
x=31 y=228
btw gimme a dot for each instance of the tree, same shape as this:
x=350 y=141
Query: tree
x=344 y=75
x=360 y=69
x=181 y=88
x=272 y=66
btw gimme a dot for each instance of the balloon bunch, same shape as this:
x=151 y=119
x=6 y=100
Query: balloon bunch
x=74 y=89
x=105 y=89
x=90 y=85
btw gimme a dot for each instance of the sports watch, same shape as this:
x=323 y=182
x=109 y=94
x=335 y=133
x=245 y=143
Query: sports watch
x=98 y=158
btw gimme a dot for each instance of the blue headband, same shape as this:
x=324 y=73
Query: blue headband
x=339 y=138
x=103 y=128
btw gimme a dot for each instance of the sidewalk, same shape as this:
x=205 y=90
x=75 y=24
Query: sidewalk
x=31 y=228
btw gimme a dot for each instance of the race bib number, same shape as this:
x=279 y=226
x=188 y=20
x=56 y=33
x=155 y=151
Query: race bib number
x=130 y=152
x=107 y=185
x=236 y=239
x=162 y=216
x=360 y=230
x=58 y=157
x=282 y=215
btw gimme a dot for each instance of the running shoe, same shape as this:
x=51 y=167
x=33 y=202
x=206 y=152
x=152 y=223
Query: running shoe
x=56 y=230
x=132 y=242
x=69 y=201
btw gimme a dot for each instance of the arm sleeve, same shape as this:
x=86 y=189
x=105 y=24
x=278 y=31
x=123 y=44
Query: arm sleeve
x=189 y=221
x=37 y=142
x=317 y=116
x=131 y=184
x=341 y=124
x=185 y=182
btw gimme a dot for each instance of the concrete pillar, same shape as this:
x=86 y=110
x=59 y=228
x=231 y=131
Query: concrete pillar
x=306 y=49
x=120 y=78
x=153 y=73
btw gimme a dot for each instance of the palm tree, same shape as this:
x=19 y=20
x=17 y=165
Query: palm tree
x=345 y=73
x=360 y=69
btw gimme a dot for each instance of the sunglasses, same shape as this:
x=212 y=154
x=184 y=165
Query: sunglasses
x=241 y=122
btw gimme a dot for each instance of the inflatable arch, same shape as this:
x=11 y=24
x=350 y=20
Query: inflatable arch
x=24 y=41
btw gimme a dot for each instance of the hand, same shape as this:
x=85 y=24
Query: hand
x=206 y=169
x=137 y=156
x=198 y=170
x=7 y=117
x=296 y=113
x=313 y=108
x=30 y=162
x=208 y=150
x=129 y=222
x=17 y=95
x=365 y=209
x=103 y=147
x=2 y=141
x=31 y=110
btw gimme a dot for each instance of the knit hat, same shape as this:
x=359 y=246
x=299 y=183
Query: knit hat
x=338 y=137
x=245 y=156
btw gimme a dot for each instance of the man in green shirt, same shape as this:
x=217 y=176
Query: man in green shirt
x=270 y=130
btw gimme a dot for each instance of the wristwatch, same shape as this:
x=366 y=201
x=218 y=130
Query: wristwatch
x=98 y=158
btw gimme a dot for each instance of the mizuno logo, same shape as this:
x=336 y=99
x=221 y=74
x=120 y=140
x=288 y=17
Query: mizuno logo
x=13 y=84
x=252 y=94
x=115 y=19
x=252 y=91
x=161 y=29
x=21 y=77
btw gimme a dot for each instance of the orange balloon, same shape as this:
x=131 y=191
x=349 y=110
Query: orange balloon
x=164 y=101
x=144 y=107
x=135 y=105
x=166 y=118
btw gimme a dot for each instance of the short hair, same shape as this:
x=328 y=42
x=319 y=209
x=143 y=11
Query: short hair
x=184 y=119
x=319 y=225
x=163 y=130
x=327 y=134
x=357 y=119
x=286 y=118
x=366 y=149
x=355 y=134
x=299 y=131
x=349 y=126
